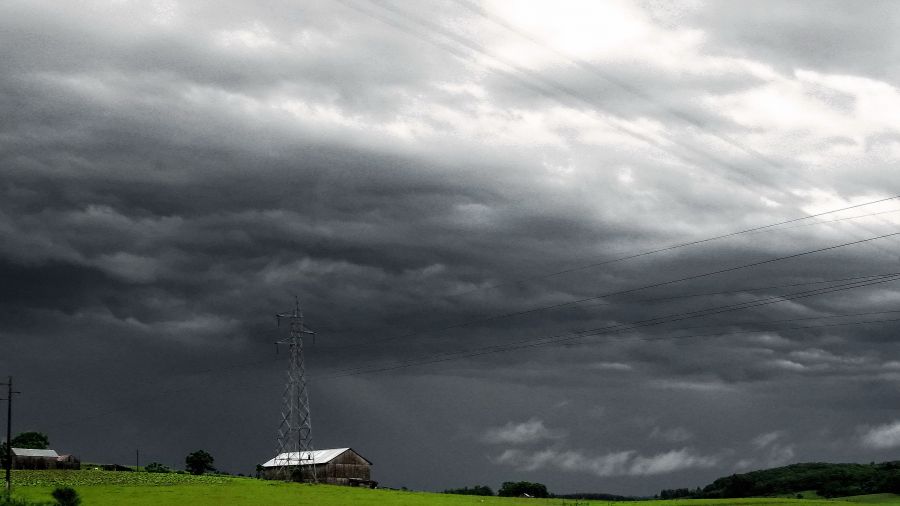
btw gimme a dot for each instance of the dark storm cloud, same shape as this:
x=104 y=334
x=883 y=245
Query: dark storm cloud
x=173 y=174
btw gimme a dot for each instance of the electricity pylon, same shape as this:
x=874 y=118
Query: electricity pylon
x=295 y=446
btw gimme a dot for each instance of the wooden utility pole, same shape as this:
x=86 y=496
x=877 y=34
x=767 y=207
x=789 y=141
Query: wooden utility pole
x=9 y=398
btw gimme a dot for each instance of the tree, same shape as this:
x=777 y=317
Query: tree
x=199 y=462
x=520 y=488
x=34 y=440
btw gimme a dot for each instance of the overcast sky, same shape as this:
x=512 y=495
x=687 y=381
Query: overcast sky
x=173 y=173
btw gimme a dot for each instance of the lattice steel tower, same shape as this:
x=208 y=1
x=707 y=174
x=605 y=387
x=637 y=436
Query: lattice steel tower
x=295 y=446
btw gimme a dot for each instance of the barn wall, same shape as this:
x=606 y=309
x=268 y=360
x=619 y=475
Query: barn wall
x=344 y=471
x=21 y=462
x=347 y=465
x=68 y=462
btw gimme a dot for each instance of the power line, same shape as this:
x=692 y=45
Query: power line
x=581 y=304
x=559 y=338
x=784 y=320
x=769 y=325
x=880 y=213
x=764 y=301
x=624 y=338
x=681 y=245
x=664 y=319
x=632 y=290
x=578 y=304
x=745 y=290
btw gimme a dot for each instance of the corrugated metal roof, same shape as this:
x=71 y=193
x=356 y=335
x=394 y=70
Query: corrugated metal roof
x=305 y=458
x=30 y=452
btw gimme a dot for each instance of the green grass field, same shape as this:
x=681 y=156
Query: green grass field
x=875 y=499
x=99 y=488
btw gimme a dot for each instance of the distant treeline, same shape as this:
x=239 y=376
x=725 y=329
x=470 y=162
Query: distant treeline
x=507 y=489
x=476 y=490
x=520 y=488
x=828 y=480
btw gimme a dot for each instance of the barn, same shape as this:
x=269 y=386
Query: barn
x=29 y=458
x=338 y=466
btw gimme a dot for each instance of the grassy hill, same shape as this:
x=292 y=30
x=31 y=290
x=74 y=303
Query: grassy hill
x=827 y=480
x=100 y=488
x=873 y=499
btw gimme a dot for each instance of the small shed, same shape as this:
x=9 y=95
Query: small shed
x=29 y=458
x=68 y=461
x=337 y=466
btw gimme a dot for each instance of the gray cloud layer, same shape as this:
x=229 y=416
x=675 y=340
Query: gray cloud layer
x=173 y=173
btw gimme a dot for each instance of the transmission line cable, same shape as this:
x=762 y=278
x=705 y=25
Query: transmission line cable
x=558 y=338
x=683 y=245
x=836 y=220
x=579 y=304
x=632 y=290
x=622 y=338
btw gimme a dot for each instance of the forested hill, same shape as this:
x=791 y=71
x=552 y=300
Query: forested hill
x=828 y=480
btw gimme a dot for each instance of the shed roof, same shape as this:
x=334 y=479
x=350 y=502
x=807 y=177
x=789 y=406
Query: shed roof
x=307 y=458
x=31 y=452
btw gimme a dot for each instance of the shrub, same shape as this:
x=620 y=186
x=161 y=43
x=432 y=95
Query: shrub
x=66 y=496
x=156 y=467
